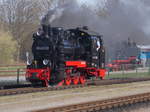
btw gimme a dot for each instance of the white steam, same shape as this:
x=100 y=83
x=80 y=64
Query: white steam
x=57 y=14
x=52 y=14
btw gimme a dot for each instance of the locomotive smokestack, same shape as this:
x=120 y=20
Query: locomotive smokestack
x=49 y=30
x=45 y=28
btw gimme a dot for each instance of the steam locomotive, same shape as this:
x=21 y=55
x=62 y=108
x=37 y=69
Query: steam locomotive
x=65 y=56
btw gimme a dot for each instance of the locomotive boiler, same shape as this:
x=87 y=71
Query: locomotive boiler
x=66 y=56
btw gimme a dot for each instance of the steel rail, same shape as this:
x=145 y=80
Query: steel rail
x=100 y=105
x=32 y=90
x=6 y=92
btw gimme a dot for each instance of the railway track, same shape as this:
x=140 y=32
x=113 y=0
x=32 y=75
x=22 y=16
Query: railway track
x=14 y=86
x=96 y=106
x=32 y=90
x=16 y=91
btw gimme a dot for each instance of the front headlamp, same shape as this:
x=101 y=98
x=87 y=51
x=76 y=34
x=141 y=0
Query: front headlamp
x=45 y=61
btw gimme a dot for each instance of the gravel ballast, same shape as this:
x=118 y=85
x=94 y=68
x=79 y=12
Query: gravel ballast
x=41 y=100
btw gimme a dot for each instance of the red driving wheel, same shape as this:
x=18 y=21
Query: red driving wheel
x=68 y=81
x=82 y=80
x=75 y=80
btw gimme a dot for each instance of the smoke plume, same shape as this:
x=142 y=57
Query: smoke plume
x=116 y=20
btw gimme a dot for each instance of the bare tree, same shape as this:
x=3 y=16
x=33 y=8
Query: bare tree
x=21 y=18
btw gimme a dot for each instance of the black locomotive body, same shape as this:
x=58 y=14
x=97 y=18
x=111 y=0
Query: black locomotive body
x=66 y=56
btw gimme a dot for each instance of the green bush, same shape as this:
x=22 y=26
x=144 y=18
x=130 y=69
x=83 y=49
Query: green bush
x=7 y=48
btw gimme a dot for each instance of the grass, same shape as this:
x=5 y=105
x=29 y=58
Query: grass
x=11 y=68
x=128 y=75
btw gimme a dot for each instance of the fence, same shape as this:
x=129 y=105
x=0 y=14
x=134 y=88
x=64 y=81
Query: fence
x=16 y=73
x=132 y=72
x=12 y=73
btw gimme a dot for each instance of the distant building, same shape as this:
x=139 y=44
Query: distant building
x=144 y=54
x=126 y=49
